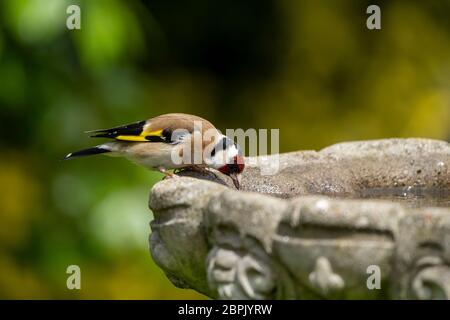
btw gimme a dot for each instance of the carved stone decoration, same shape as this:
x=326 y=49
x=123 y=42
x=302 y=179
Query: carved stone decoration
x=323 y=279
x=432 y=281
x=239 y=275
x=313 y=229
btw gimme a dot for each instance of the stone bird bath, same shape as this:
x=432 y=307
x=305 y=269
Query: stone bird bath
x=317 y=229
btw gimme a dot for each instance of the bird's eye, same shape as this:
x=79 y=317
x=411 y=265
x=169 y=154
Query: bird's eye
x=221 y=145
x=167 y=134
x=224 y=143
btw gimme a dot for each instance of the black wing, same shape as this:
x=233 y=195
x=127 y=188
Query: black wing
x=134 y=132
x=132 y=129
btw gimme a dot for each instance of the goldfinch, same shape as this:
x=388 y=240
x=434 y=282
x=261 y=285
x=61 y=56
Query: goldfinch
x=171 y=141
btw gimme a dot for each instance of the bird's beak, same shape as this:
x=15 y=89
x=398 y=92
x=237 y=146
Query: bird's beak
x=236 y=177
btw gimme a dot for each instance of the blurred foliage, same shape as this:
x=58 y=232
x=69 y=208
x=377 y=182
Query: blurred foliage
x=310 y=68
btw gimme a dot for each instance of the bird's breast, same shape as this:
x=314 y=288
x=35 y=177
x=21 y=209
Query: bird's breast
x=154 y=154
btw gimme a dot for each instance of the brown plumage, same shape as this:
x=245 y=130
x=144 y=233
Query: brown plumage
x=154 y=142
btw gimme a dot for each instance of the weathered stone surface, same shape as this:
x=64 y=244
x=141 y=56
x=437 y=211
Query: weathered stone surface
x=296 y=235
x=178 y=208
x=352 y=168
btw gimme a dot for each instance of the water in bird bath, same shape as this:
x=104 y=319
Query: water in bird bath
x=411 y=196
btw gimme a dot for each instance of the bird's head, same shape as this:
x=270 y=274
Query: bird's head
x=228 y=159
x=234 y=169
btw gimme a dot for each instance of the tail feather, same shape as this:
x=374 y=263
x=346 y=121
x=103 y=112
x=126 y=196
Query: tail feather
x=87 y=152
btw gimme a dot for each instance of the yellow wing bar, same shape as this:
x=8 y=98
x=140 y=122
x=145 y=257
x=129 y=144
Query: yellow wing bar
x=143 y=137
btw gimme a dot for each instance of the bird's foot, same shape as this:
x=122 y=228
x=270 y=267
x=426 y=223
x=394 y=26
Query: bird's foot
x=197 y=169
x=201 y=169
x=168 y=174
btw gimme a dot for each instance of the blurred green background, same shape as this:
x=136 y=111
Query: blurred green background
x=310 y=68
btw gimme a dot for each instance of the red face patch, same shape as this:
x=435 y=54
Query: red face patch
x=236 y=167
x=239 y=161
x=225 y=169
